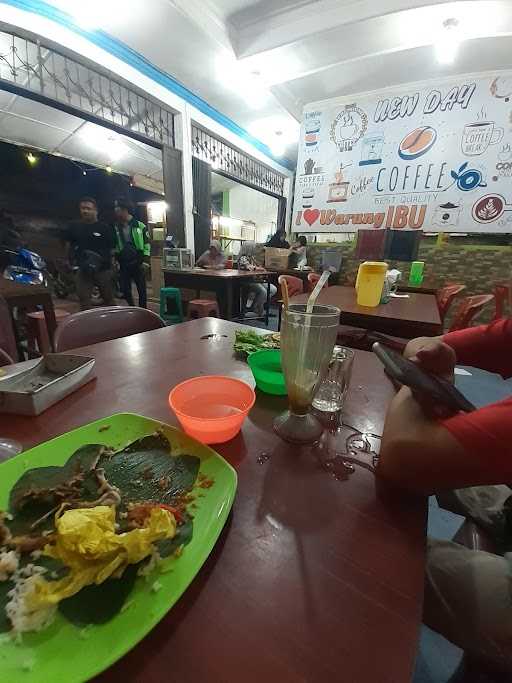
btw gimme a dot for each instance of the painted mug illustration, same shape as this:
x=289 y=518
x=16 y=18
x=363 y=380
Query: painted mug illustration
x=477 y=137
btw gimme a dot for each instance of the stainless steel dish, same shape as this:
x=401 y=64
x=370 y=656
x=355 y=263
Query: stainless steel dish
x=30 y=388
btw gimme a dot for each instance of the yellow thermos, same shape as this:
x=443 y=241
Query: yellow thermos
x=370 y=282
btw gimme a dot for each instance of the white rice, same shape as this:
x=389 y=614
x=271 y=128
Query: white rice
x=23 y=618
x=9 y=561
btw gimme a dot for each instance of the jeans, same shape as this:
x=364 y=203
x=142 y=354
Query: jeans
x=86 y=282
x=260 y=295
x=129 y=274
x=468 y=593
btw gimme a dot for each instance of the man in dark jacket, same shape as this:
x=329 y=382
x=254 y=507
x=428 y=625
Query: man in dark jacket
x=92 y=245
x=132 y=247
x=279 y=240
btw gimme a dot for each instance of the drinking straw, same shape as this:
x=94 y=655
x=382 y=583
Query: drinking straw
x=309 y=309
x=318 y=288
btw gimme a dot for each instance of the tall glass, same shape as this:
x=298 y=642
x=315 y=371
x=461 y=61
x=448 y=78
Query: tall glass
x=307 y=342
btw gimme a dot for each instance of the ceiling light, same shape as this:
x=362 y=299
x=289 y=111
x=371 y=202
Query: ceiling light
x=108 y=169
x=106 y=142
x=277 y=132
x=32 y=159
x=447 y=45
x=247 y=84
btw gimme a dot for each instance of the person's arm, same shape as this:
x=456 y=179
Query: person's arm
x=70 y=237
x=488 y=347
x=147 y=241
x=202 y=261
x=112 y=243
x=423 y=456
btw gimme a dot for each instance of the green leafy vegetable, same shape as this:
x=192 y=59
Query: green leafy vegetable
x=98 y=604
x=247 y=341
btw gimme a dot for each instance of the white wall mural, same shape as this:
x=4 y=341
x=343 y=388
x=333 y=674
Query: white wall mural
x=436 y=157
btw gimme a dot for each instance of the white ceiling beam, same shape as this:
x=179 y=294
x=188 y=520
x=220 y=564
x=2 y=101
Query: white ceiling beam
x=202 y=13
x=287 y=26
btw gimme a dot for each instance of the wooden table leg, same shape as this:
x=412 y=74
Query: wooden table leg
x=267 y=314
x=229 y=299
x=17 y=339
x=49 y=316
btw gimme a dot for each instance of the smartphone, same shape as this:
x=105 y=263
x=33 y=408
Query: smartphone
x=411 y=375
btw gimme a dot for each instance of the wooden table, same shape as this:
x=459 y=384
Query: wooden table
x=415 y=316
x=222 y=282
x=312 y=580
x=28 y=297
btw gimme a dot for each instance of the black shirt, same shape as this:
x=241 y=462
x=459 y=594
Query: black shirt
x=275 y=241
x=98 y=237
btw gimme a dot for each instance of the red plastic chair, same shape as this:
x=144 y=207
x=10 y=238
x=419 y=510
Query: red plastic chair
x=313 y=279
x=103 y=324
x=502 y=294
x=295 y=284
x=469 y=308
x=7 y=338
x=37 y=332
x=445 y=296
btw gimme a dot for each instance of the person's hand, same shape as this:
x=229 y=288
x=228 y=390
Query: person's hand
x=433 y=355
x=436 y=358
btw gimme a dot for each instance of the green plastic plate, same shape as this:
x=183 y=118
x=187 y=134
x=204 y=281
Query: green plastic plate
x=64 y=652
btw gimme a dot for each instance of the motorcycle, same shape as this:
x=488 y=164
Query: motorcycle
x=24 y=266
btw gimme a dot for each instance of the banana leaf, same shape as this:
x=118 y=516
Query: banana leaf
x=145 y=471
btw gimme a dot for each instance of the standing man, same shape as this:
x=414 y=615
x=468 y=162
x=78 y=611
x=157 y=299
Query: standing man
x=92 y=246
x=132 y=247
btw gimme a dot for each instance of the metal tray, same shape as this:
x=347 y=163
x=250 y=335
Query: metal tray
x=30 y=388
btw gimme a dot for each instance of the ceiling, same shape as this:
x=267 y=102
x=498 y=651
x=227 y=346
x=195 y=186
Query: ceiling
x=222 y=184
x=260 y=61
x=38 y=127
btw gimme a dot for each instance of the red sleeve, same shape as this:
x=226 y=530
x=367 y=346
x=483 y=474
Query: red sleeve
x=487 y=433
x=488 y=347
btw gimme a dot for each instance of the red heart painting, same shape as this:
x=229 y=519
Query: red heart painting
x=311 y=215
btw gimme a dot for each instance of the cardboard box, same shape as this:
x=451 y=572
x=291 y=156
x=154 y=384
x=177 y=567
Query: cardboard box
x=276 y=259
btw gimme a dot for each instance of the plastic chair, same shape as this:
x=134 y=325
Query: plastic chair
x=295 y=284
x=469 y=307
x=103 y=324
x=7 y=338
x=203 y=308
x=5 y=359
x=445 y=296
x=502 y=294
x=171 y=308
x=38 y=332
x=313 y=279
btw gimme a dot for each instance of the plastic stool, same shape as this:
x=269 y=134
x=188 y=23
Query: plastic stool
x=38 y=332
x=203 y=308
x=171 y=309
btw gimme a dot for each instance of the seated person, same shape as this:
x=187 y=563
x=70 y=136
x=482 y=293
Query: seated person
x=247 y=261
x=299 y=250
x=468 y=593
x=278 y=240
x=213 y=259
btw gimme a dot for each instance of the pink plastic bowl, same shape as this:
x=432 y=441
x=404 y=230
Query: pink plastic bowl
x=212 y=408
